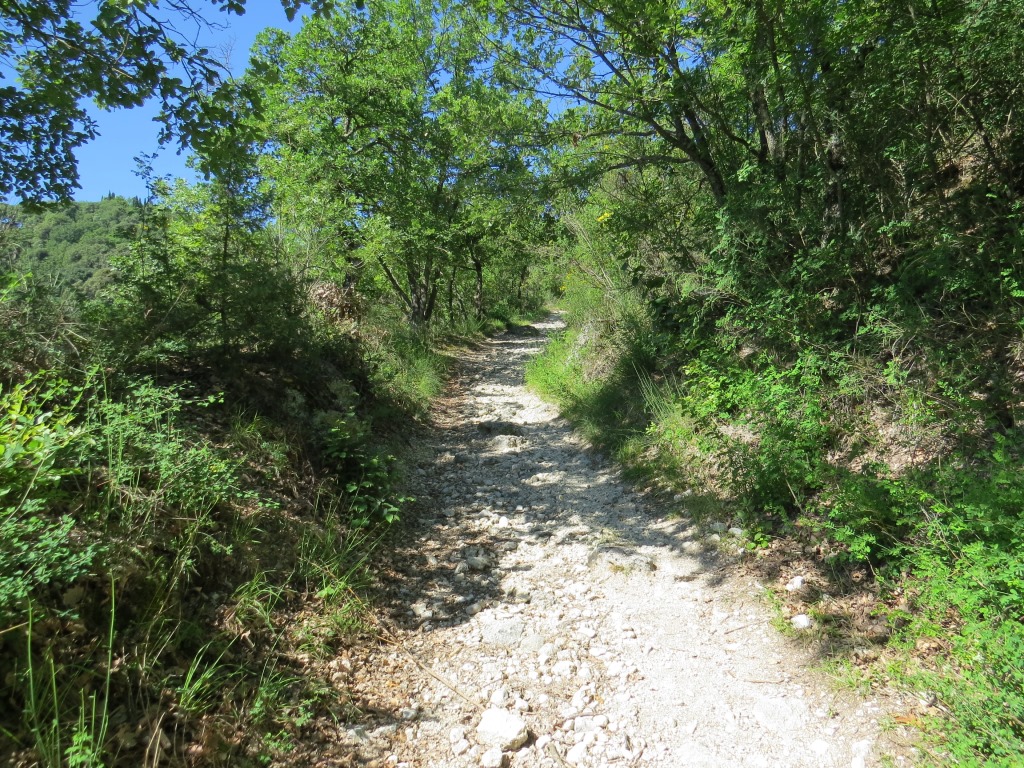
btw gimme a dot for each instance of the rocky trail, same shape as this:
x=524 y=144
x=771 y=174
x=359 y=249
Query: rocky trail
x=543 y=613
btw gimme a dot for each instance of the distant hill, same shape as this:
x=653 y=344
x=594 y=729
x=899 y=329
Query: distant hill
x=71 y=245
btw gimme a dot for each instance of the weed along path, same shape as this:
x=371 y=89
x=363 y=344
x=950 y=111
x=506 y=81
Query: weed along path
x=542 y=613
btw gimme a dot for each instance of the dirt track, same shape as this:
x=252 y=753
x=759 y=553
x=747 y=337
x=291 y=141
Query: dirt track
x=538 y=591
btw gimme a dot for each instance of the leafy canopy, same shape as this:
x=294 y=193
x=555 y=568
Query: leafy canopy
x=55 y=55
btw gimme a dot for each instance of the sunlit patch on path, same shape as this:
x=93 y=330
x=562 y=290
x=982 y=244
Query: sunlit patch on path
x=543 y=613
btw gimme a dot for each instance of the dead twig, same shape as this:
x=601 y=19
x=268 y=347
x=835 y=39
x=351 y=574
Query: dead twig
x=780 y=681
x=554 y=754
x=392 y=639
x=744 y=626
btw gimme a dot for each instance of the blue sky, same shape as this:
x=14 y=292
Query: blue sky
x=107 y=164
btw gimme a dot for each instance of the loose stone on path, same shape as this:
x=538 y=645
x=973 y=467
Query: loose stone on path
x=501 y=729
x=556 y=617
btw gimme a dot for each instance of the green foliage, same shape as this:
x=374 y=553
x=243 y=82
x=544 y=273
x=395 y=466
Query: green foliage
x=787 y=238
x=281 y=287
x=85 y=749
x=206 y=279
x=768 y=425
x=61 y=58
x=395 y=155
x=366 y=477
x=37 y=546
x=203 y=683
x=256 y=600
x=155 y=481
x=176 y=513
x=45 y=706
x=403 y=364
x=974 y=560
x=591 y=369
x=38 y=328
x=806 y=392
x=773 y=433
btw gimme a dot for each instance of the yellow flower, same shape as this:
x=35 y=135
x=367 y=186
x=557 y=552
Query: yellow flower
x=604 y=217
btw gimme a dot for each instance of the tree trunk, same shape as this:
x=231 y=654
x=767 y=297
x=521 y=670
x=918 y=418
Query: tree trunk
x=451 y=293
x=478 y=298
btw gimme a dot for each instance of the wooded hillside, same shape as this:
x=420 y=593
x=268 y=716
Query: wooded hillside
x=72 y=247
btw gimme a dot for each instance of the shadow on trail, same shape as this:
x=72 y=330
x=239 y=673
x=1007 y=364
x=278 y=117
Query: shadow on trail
x=510 y=473
x=510 y=499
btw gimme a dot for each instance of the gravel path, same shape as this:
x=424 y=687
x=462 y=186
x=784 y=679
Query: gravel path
x=545 y=614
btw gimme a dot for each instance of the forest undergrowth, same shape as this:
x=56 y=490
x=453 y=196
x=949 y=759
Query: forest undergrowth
x=185 y=545
x=187 y=523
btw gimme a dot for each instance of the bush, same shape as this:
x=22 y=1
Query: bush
x=152 y=479
x=38 y=548
x=39 y=328
x=968 y=573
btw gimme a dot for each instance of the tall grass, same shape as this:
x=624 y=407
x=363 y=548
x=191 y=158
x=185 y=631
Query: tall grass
x=66 y=730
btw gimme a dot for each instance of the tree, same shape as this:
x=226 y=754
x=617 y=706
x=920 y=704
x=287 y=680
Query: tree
x=386 y=128
x=829 y=137
x=55 y=57
x=206 y=277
